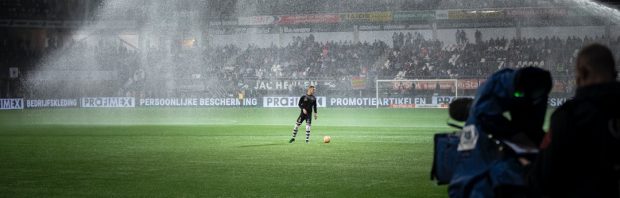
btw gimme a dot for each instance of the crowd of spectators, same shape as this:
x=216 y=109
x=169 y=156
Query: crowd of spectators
x=231 y=68
x=412 y=54
x=303 y=58
x=410 y=57
x=420 y=58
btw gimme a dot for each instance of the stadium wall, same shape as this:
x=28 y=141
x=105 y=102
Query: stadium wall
x=386 y=36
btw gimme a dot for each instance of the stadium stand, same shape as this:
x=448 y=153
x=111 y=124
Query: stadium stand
x=305 y=58
x=226 y=69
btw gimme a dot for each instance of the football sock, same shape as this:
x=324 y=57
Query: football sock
x=295 y=129
x=307 y=133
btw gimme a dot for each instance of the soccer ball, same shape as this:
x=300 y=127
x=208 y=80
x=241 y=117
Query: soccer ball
x=327 y=139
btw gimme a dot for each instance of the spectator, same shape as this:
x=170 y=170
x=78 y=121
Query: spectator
x=581 y=154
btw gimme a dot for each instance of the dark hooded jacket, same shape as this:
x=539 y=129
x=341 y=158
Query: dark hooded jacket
x=583 y=157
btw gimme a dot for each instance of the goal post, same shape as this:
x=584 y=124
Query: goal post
x=416 y=93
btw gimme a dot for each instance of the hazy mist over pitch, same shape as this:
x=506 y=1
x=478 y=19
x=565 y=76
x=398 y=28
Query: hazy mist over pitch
x=162 y=19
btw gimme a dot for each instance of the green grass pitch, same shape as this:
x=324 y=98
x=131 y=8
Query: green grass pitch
x=217 y=152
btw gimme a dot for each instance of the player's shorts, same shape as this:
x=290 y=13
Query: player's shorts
x=306 y=117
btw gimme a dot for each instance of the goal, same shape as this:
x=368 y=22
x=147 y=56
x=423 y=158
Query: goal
x=416 y=93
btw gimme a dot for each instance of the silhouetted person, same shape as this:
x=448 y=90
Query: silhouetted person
x=581 y=152
x=484 y=168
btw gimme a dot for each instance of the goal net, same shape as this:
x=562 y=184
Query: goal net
x=418 y=93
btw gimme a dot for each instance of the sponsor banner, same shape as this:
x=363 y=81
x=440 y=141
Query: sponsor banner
x=296 y=29
x=434 y=85
x=196 y=102
x=403 y=106
x=288 y=84
x=333 y=28
x=220 y=23
x=417 y=102
x=566 y=21
x=307 y=19
x=407 y=27
x=431 y=106
x=446 y=100
x=441 y=14
x=537 y=12
x=468 y=84
x=322 y=28
x=369 y=27
x=358 y=83
x=257 y=20
x=228 y=30
x=475 y=14
x=422 y=85
x=414 y=15
x=367 y=17
x=51 y=103
x=11 y=103
x=419 y=26
x=436 y=102
x=289 y=101
x=394 y=27
x=475 y=23
x=556 y=101
x=442 y=100
x=372 y=102
x=95 y=102
x=262 y=30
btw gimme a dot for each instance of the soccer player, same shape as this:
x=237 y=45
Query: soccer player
x=306 y=103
